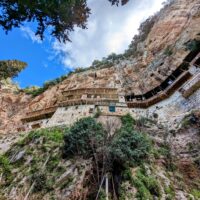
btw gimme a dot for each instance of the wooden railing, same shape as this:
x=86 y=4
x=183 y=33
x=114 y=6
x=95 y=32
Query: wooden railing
x=91 y=91
x=185 y=90
x=195 y=59
x=161 y=95
x=88 y=101
x=191 y=86
x=39 y=114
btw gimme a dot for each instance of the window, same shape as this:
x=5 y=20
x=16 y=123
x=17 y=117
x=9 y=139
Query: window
x=112 y=108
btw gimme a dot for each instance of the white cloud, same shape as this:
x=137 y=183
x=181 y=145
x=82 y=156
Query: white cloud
x=29 y=34
x=110 y=29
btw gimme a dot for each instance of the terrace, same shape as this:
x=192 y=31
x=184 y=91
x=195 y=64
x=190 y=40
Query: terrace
x=39 y=114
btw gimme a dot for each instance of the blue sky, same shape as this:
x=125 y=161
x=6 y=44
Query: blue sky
x=110 y=29
x=40 y=68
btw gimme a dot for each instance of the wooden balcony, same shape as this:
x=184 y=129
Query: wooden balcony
x=190 y=87
x=195 y=59
x=161 y=95
x=88 y=101
x=39 y=114
x=90 y=91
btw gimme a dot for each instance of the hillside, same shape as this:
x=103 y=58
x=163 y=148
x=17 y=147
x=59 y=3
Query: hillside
x=140 y=109
x=161 y=50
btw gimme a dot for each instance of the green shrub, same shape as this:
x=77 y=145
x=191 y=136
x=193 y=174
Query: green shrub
x=98 y=113
x=193 y=45
x=126 y=175
x=5 y=170
x=196 y=193
x=4 y=165
x=83 y=138
x=170 y=192
x=130 y=147
x=127 y=121
x=127 y=147
x=168 y=51
x=165 y=151
x=55 y=134
x=35 y=91
x=146 y=185
x=11 y=68
x=40 y=182
x=189 y=120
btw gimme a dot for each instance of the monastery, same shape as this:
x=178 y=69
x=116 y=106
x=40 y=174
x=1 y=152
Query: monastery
x=180 y=87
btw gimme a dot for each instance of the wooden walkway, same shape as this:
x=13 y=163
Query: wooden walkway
x=162 y=94
x=39 y=114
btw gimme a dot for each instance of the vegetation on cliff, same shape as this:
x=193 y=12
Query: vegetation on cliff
x=111 y=154
x=106 y=62
x=74 y=162
x=11 y=68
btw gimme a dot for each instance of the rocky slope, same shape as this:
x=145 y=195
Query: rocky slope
x=156 y=55
x=31 y=164
x=33 y=168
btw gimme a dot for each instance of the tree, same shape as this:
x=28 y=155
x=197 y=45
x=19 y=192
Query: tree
x=83 y=138
x=61 y=16
x=11 y=68
x=110 y=153
x=116 y=2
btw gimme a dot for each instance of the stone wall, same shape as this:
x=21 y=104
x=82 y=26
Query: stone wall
x=68 y=115
x=168 y=112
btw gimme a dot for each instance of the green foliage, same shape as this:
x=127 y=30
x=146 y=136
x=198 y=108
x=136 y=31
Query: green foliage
x=189 y=120
x=83 y=138
x=11 y=68
x=123 y=193
x=40 y=180
x=164 y=150
x=127 y=147
x=53 y=162
x=127 y=121
x=117 y=2
x=35 y=91
x=147 y=186
x=4 y=165
x=97 y=113
x=144 y=30
x=130 y=147
x=168 y=51
x=193 y=45
x=52 y=134
x=5 y=169
x=170 y=192
x=127 y=174
x=196 y=193
x=102 y=195
x=62 y=16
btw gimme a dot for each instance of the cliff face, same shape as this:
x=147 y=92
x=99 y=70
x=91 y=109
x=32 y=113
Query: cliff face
x=162 y=51
x=12 y=108
x=34 y=168
x=37 y=159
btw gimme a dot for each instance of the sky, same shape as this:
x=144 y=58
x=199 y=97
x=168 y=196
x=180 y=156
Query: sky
x=110 y=30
